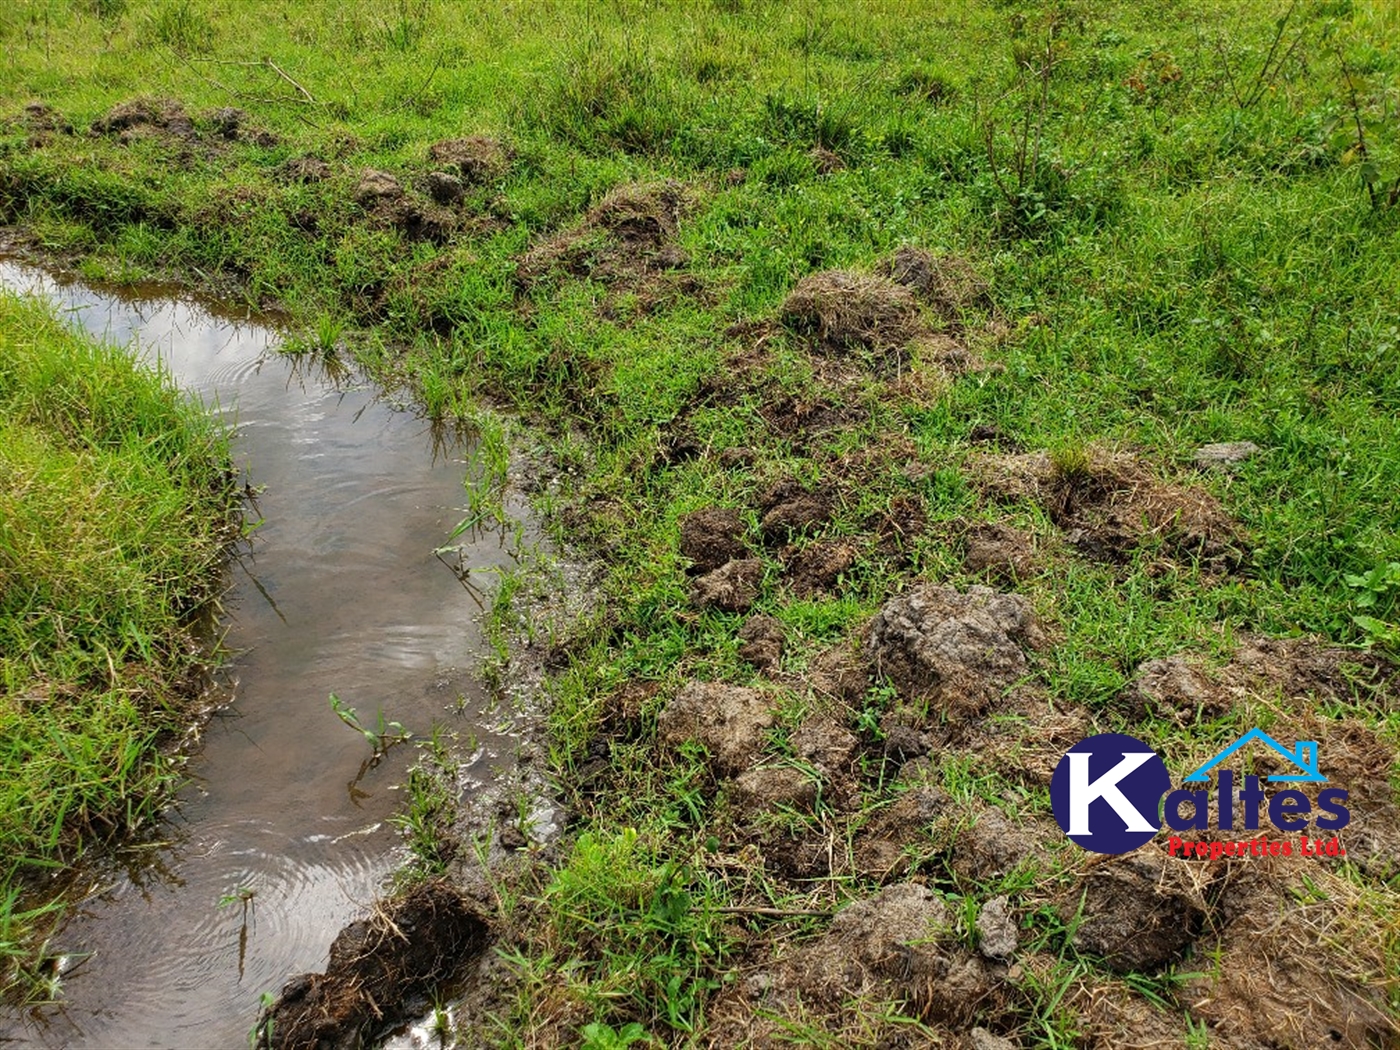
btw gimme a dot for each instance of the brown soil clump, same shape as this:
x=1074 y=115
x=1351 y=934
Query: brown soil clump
x=381 y=971
x=761 y=642
x=1274 y=982
x=1139 y=911
x=625 y=237
x=817 y=567
x=232 y=125
x=444 y=188
x=711 y=537
x=1110 y=504
x=305 y=168
x=476 y=159
x=758 y=790
x=728 y=720
x=1000 y=551
x=993 y=845
x=146 y=118
x=960 y=652
x=841 y=310
x=789 y=510
x=840 y=674
x=948 y=283
x=733 y=587
x=376 y=187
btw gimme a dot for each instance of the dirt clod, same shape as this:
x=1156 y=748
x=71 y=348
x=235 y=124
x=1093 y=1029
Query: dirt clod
x=997 y=937
x=1110 y=504
x=711 y=537
x=842 y=310
x=1140 y=911
x=839 y=673
x=981 y=1039
x=788 y=510
x=733 y=587
x=817 y=567
x=381 y=970
x=994 y=846
x=959 y=651
x=626 y=237
x=757 y=790
x=376 y=187
x=306 y=168
x=728 y=720
x=1177 y=688
x=144 y=117
x=948 y=283
x=1000 y=551
x=761 y=642
x=828 y=746
x=476 y=159
x=444 y=187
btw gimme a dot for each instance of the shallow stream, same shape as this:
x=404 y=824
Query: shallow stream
x=341 y=592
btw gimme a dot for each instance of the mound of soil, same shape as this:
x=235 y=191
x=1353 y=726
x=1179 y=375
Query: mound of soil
x=1271 y=982
x=959 y=651
x=728 y=720
x=444 y=188
x=626 y=236
x=948 y=283
x=733 y=587
x=772 y=787
x=993 y=846
x=711 y=537
x=761 y=642
x=895 y=946
x=1139 y=911
x=144 y=118
x=39 y=116
x=789 y=510
x=841 y=310
x=475 y=159
x=305 y=168
x=381 y=971
x=376 y=187
x=1110 y=504
x=999 y=551
x=232 y=125
x=816 y=568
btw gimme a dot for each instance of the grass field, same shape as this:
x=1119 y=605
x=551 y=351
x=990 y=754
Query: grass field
x=114 y=512
x=667 y=239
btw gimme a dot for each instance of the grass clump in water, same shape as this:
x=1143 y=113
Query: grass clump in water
x=116 y=504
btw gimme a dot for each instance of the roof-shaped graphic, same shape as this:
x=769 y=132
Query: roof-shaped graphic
x=1304 y=756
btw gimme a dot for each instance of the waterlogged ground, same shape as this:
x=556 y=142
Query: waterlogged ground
x=341 y=591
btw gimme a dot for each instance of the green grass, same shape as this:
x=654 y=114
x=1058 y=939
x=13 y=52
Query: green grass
x=1186 y=224
x=115 y=511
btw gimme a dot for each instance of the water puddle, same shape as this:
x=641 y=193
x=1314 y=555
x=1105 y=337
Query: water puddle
x=341 y=592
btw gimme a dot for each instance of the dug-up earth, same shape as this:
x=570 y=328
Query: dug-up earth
x=872 y=810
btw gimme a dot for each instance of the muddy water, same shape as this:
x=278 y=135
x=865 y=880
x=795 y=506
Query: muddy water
x=341 y=592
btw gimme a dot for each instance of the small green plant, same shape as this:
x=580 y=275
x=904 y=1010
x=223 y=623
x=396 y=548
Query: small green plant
x=599 y=1036
x=381 y=738
x=1377 y=592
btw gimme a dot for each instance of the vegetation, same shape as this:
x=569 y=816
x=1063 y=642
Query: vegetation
x=115 y=509
x=1174 y=225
